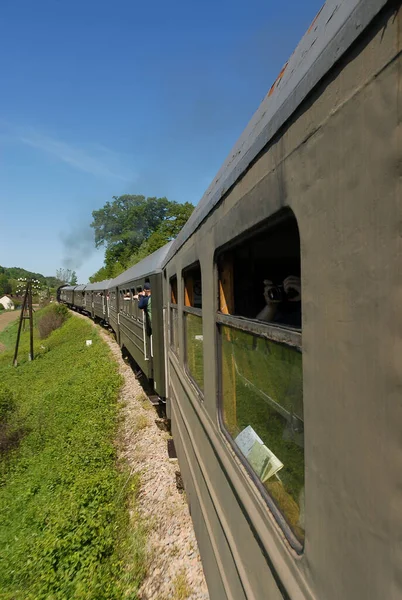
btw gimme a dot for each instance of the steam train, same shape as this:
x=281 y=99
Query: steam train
x=289 y=438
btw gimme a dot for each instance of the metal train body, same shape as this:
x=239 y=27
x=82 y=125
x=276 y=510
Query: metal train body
x=312 y=188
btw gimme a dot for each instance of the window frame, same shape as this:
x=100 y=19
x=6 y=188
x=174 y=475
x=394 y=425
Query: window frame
x=276 y=332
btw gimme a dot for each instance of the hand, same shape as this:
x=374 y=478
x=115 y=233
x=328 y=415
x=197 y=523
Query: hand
x=268 y=285
x=293 y=283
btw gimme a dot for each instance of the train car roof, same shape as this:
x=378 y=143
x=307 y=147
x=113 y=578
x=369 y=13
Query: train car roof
x=80 y=287
x=149 y=265
x=338 y=24
x=67 y=287
x=98 y=285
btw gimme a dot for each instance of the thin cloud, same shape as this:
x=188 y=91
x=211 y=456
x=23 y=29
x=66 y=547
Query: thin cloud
x=93 y=159
x=77 y=158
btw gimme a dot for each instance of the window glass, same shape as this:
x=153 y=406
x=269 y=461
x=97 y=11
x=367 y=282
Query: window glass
x=262 y=410
x=192 y=314
x=174 y=329
x=260 y=277
x=192 y=287
x=173 y=290
x=174 y=316
x=261 y=397
x=194 y=348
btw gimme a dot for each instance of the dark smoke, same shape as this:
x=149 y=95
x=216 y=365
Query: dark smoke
x=78 y=246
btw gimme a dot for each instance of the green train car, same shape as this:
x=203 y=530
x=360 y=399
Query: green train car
x=287 y=428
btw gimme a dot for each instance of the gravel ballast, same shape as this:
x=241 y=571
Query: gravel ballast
x=174 y=567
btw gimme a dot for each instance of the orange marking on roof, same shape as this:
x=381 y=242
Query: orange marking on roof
x=277 y=80
x=315 y=19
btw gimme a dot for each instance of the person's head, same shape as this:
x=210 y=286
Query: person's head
x=147 y=289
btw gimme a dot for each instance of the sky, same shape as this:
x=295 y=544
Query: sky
x=102 y=98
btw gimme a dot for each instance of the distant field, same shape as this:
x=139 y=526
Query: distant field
x=63 y=495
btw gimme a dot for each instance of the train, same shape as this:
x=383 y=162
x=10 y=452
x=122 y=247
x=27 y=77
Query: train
x=276 y=328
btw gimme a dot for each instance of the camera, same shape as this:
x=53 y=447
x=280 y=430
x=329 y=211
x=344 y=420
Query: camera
x=277 y=293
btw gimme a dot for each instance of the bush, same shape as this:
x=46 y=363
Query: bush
x=52 y=317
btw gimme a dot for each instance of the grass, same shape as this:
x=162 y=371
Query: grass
x=181 y=587
x=141 y=422
x=65 y=502
x=9 y=334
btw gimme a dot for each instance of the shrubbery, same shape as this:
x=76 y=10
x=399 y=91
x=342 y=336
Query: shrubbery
x=52 y=317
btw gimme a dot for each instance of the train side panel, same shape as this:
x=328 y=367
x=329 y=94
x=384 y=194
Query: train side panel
x=335 y=165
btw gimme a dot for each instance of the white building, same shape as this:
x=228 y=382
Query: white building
x=7 y=303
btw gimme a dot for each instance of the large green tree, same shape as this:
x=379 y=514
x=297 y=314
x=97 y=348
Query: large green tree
x=131 y=227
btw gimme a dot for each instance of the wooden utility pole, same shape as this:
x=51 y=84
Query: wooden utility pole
x=26 y=313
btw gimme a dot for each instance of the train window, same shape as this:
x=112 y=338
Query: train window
x=261 y=392
x=132 y=303
x=192 y=312
x=127 y=297
x=260 y=278
x=174 y=316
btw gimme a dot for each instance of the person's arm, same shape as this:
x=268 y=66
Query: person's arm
x=143 y=302
x=267 y=313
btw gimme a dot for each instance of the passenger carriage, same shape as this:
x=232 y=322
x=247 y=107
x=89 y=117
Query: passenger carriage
x=288 y=433
x=144 y=341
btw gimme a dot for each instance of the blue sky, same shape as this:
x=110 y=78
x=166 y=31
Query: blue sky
x=102 y=98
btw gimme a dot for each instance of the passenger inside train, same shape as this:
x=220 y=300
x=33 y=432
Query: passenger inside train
x=283 y=302
x=263 y=275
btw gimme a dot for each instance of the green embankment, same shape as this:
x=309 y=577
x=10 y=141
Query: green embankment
x=65 y=528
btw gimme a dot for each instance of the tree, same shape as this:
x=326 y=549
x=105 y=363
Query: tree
x=5 y=285
x=132 y=226
x=100 y=275
x=66 y=276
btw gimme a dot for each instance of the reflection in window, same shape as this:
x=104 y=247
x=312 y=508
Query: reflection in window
x=262 y=410
x=174 y=317
x=192 y=314
x=174 y=329
x=194 y=348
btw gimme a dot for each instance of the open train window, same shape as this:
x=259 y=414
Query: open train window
x=261 y=386
x=174 y=316
x=193 y=335
x=133 y=303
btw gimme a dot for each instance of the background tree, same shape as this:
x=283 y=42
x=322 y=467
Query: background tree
x=10 y=280
x=66 y=276
x=5 y=285
x=132 y=226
